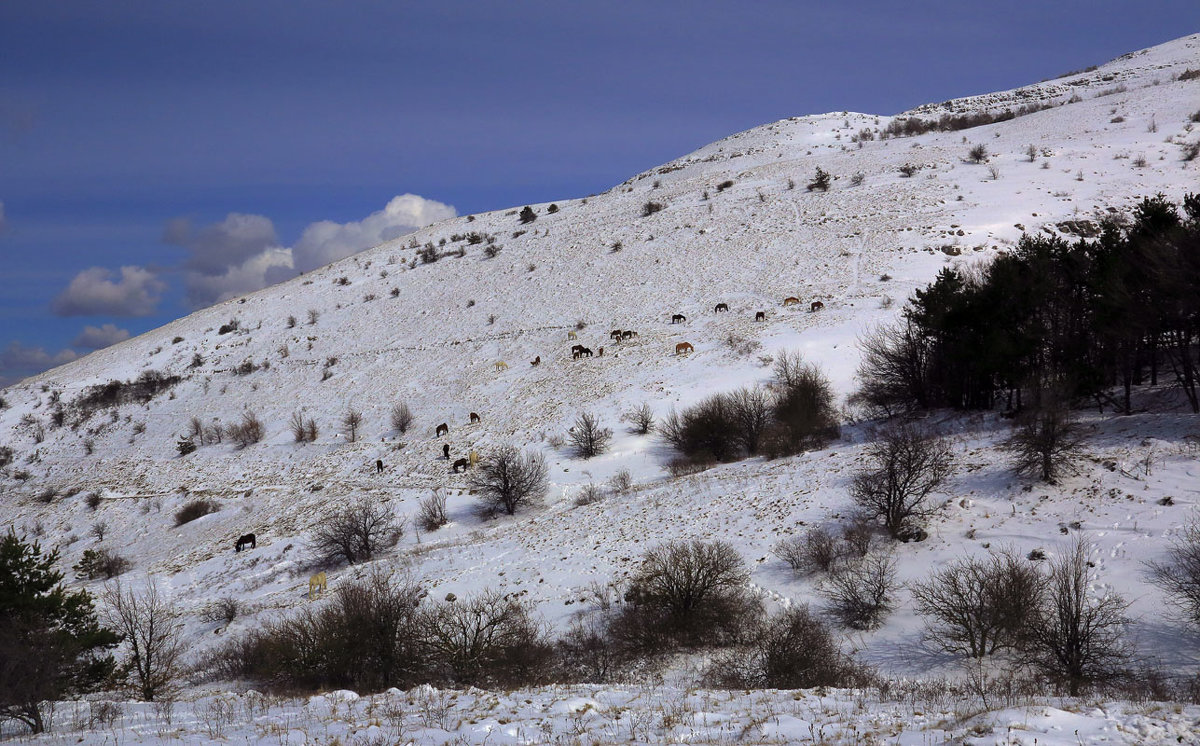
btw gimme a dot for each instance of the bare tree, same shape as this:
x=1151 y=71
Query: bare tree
x=351 y=421
x=1045 y=442
x=977 y=606
x=905 y=464
x=151 y=627
x=356 y=532
x=588 y=438
x=893 y=375
x=431 y=512
x=1078 y=639
x=304 y=429
x=402 y=418
x=1179 y=573
x=751 y=411
x=249 y=431
x=642 y=419
x=860 y=594
x=510 y=479
x=486 y=640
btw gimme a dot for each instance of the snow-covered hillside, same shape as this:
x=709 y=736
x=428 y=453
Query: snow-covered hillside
x=736 y=226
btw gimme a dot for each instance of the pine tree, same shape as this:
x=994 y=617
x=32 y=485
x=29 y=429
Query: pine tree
x=51 y=644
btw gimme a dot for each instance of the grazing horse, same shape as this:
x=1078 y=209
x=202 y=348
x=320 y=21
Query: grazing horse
x=462 y=463
x=628 y=334
x=536 y=361
x=615 y=334
x=683 y=347
x=572 y=335
x=816 y=306
x=446 y=451
x=501 y=365
x=721 y=307
x=473 y=458
x=760 y=316
x=440 y=430
x=316 y=584
x=243 y=541
x=585 y=352
x=474 y=417
x=791 y=301
x=678 y=318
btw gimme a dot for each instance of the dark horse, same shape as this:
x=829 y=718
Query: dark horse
x=678 y=318
x=720 y=307
x=760 y=316
x=243 y=541
x=462 y=463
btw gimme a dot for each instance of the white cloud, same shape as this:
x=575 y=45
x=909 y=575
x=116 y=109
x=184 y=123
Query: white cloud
x=215 y=248
x=97 y=337
x=94 y=292
x=326 y=241
x=18 y=361
x=258 y=271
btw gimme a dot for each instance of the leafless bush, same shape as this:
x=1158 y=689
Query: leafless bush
x=743 y=346
x=892 y=374
x=687 y=593
x=510 y=479
x=352 y=420
x=222 y=611
x=304 y=429
x=431 y=512
x=587 y=437
x=402 y=417
x=1078 y=639
x=1179 y=573
x=651 y=207
x=905 y=464
x=816 y=550
x=99 y=529
x=793 y=650
x=247 y=432
x=642 y=419
x=356 y=532
x=489 y=641
x=621 y=482
x=194 y=509
x=150 y=624
x=977 y=153
x=804 y=412
x=721 y=427
x=1045 y=442
x=978 y=606
x=860 y=595
x=589 y=494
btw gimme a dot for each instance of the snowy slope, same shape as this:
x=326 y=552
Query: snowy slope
x=430 y=334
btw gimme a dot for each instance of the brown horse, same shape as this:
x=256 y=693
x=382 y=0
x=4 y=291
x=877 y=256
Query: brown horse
x=760 y=316
x=461 y=463
x=683 y=347
x=536 y=361
x=816 y=306
x=628 y=334
x=440 y=430
x=721 y=307
x=791 y=301
x=615 y=334
x=678 y=318
x=474 y=417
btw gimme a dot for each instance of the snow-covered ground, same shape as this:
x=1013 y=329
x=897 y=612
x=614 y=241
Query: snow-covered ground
x=384 y=327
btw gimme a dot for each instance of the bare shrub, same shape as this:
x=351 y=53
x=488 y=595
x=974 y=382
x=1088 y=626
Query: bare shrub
x=151 y=626
x=816 y=550
x=905 y=464
x=431 y=512
x=978 y=606
x=304 y=429
x=510 y=479
x=641 y=419
x=356 y=532
x=687 y=593
x=1045 y=442
x=588 y=494
x=222 y=611
x=352 y=420
x=194 y=509
x=488 y=641
x=368 y=637
x=247 y=432
x=860 y=594
x=1179 y=573
x=621 y=482
x=587 y=437
x=721 y=427
x=651 y=207
x=820 y=181
x=977 y=153
x=804 y=412
x=793 y=650
x=892 y=374
x=1078 y=639
x=402 y=418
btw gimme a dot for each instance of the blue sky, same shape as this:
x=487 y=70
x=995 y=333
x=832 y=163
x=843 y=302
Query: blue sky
x=157 y=156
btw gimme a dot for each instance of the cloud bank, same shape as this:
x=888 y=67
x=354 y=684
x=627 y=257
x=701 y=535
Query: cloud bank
x=98 y=337
x=326 y=241
x=18 y=361
x=95 y=292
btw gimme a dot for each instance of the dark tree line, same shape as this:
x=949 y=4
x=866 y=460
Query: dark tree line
x=1051 y=318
